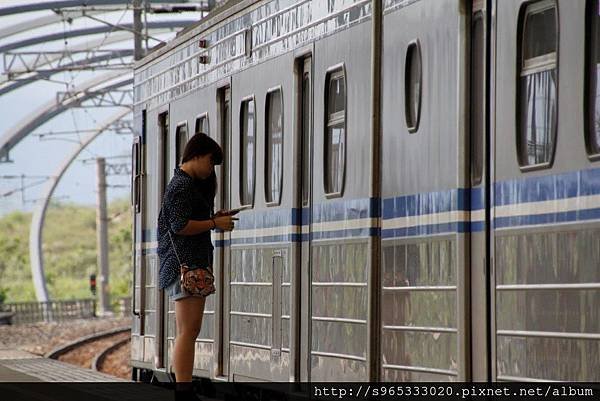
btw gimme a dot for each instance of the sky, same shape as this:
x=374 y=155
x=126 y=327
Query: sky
x=37 y=157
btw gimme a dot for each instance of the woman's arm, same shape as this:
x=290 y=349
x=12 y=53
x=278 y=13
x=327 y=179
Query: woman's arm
x=194 y=227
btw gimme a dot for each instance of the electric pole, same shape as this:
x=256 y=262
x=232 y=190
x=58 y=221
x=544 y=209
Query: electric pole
x=138 y=51
x=102 y=237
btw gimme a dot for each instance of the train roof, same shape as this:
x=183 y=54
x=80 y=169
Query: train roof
x=217 y=15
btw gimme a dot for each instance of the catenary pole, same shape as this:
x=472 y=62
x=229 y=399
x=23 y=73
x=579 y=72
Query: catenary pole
x=102 y=236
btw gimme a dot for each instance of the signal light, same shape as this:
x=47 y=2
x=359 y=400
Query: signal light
x=93 y=284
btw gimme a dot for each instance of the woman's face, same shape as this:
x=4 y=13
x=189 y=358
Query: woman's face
x=203 y=166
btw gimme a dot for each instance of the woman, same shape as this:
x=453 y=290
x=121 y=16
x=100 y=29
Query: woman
x=186 y=213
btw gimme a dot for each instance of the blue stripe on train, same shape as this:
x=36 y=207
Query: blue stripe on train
x=545 y=188
x=428 y=229
x=531 y=189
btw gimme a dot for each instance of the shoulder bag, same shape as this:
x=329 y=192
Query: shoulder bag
x=197 y=281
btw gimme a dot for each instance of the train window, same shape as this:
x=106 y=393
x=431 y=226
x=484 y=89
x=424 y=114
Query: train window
x=274 y=146
x=136 y=173
x=537 y=100
x=413 y=76
x=306 y=130
x=477 y=97
x=247 y=151
x=335 y=132
x=136 y=168
x=163 y=126
x=181 y=138
x=593 y=79
x=202 y=124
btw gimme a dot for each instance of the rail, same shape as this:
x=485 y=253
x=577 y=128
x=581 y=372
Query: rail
x=101 y=357
x=63 y=349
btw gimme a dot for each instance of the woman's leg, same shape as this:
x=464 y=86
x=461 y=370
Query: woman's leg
x=188 y=316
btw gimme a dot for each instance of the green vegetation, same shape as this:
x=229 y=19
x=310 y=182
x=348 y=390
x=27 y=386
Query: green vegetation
x=69 y=244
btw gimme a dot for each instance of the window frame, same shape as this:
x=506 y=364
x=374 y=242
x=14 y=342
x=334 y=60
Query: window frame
x=532 y=66
x=592 y=154
x=181 y=124
x=197 y=120
x=416 y=45
x=243 y=100
x=270 y=91
x=334 y=72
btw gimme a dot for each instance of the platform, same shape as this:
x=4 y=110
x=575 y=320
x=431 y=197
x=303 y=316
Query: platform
x=26 y=376
x=50 y=370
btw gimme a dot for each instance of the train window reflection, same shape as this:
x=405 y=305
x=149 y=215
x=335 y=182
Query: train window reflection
x=247 y=151
x=593 y=87
x=135 y=175
x=305 y=137
x=202 y=124
x=413 y=86
x=477 y=97
x=537 y=100
x=181 y=138
x=274 y=146
x=335 y=132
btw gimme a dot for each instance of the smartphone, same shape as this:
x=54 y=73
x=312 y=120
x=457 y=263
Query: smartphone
x=233 y=212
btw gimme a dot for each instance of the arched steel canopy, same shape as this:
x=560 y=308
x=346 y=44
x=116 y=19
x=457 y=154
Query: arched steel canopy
x=6 y=87
x=47 y=74
x=60 y=16
x=52 y=108
x=25 y=26
x=39 y=215
x=57 y=4
x=91 y=31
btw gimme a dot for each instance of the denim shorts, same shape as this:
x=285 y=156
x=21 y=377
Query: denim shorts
x=176 y=292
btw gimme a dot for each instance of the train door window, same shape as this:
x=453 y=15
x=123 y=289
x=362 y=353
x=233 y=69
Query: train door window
x=163 y=122
x=537 y=100
x=136 y=174
x=247 y=151
x=181 y=138
x=274 y=146
x=306 y=130
x=413 y=77
x=202 y=124
x=335 y=132
x=593 y=79
x=477 y=96
x=136 y=166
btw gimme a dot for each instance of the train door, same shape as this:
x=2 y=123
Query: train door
x=167 y=328
x=480 y=193
x=138 y=203
x=154 y=305
x=222 y=253
x=425 y=288
x=159 y=299
x=302 y=277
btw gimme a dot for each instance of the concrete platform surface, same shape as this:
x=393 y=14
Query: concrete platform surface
x=50 y=370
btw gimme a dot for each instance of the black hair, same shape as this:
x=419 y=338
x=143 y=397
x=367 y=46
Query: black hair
x=200 y=145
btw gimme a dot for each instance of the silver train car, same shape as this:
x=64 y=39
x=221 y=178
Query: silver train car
x=421 y=182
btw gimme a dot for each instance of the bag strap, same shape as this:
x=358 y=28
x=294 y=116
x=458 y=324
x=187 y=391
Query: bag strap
x=174 y=248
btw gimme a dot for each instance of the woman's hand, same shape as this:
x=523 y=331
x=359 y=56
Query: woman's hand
x=225 y=223
x=221 y=212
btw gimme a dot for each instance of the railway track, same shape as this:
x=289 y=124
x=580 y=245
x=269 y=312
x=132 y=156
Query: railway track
x=94 y=350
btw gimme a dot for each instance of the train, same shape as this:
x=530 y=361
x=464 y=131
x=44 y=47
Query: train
x=420 y=182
